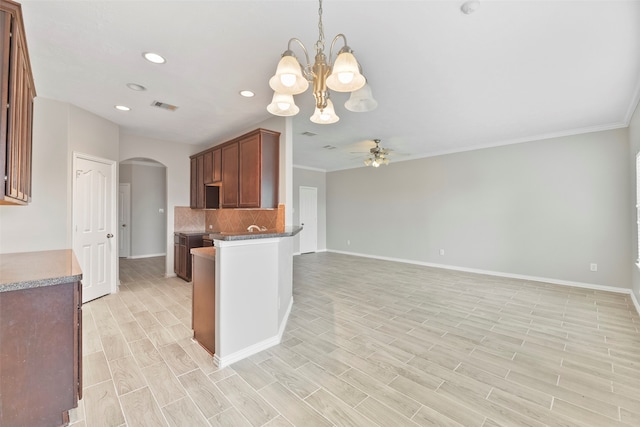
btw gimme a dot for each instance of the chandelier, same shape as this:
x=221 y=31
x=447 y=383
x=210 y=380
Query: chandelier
x=344 y=75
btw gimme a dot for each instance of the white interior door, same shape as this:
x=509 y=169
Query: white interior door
x=94 y=223
x=309 y=219
x=124 y=220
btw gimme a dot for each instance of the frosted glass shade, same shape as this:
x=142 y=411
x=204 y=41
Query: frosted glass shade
x=345 y=74
x=326 y=116
x=361 y=101
x=288 y=78
x=283 y=105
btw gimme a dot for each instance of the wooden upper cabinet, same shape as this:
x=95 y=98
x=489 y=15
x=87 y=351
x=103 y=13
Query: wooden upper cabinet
x=245 y=169
x=213 y=166
x=259 y=169
x=16 y=108
x=197 y=182
x=229 y=175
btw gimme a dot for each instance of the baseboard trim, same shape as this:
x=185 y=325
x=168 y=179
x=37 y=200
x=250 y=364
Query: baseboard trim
x=592 y=286
x=635 y=301
x=146 y=256
x=221 y=362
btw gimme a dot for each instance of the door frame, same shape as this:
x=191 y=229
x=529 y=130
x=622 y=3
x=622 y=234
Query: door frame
x=114 y=213
x=127 y=213
x=300 y=203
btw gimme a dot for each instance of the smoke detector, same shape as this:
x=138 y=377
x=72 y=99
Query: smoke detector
x=470 y=6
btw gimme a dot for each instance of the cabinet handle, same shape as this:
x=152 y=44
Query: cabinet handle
x=109 y=236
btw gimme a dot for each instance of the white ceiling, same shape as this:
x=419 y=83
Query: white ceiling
x=513 y=71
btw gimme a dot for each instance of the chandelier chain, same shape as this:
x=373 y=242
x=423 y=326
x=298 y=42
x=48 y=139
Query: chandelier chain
x=320 y=42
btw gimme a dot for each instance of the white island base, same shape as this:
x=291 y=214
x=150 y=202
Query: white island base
x=253 y=295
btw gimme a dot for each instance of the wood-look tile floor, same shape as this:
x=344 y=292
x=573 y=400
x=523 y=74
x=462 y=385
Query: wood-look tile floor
x=369 y=343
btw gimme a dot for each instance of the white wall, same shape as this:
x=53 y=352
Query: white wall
x=310 y=178
x=58 y=129
x=542 y=209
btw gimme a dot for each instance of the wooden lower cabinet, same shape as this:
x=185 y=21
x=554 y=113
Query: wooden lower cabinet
x=40 y=355
x=204 y=302
x=182 y=245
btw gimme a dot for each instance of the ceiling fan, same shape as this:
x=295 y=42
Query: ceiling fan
x=377 y=155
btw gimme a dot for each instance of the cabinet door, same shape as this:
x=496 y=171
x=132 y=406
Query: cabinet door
x=250 y=172
x=217 y=165
x=208 y=167
x=176 y=258
x=193 y=199
x=197 y=182
x=19 y=131
x=213 y=166
x=200 y=182
x=17 y=112
x=230 y=175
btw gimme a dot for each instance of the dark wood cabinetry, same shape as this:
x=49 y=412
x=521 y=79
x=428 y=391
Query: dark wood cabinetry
x=40 y=354
x=245 y=170
x=204 y=299
x=197 y=182
x=212 y=166
x=258 y=172
x=230 y=175
x=16 y=107
x=182 y=245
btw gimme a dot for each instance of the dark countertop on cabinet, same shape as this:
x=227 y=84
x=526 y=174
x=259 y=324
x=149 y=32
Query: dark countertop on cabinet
x=36 y=269
x=191 y=233
x=248 y=235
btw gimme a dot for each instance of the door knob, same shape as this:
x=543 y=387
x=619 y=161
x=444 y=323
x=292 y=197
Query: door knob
x=109 y=236
x=124 y=225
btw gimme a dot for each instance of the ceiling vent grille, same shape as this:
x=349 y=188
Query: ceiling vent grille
x=164 y=105
x=309 y=134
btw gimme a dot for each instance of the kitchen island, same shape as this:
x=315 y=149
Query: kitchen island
x=40 y=337
x=252 y=292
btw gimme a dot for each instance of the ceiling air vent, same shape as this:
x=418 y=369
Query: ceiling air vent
x=309 y=134
x=164 y=106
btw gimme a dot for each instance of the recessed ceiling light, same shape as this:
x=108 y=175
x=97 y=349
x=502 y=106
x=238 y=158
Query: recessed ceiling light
x=122 y=108
x=154 y=57
x=247 y=93
x=136 y=86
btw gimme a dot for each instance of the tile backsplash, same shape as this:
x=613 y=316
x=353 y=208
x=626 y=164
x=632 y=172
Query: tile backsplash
x=187 y=219
x=228 y=220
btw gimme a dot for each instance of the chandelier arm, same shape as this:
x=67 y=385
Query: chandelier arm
x=308 y=74
x=335 y=39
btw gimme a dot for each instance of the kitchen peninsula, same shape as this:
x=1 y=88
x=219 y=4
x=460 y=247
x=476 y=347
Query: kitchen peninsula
x=40 y=337
x=242 y=292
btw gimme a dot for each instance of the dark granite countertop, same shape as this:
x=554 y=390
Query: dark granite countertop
x=191 y=233
x=247 y=235
x=36 y=269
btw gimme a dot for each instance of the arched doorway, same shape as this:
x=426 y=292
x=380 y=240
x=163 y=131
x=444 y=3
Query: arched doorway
x=142 y=213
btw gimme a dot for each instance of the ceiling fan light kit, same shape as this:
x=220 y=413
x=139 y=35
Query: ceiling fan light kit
x=344 y=75
x=378 y=156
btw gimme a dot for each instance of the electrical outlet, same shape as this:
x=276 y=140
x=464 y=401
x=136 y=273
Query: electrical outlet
x=348 y=242
x=441 y=251
x=210 y=226
x=593 y=266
